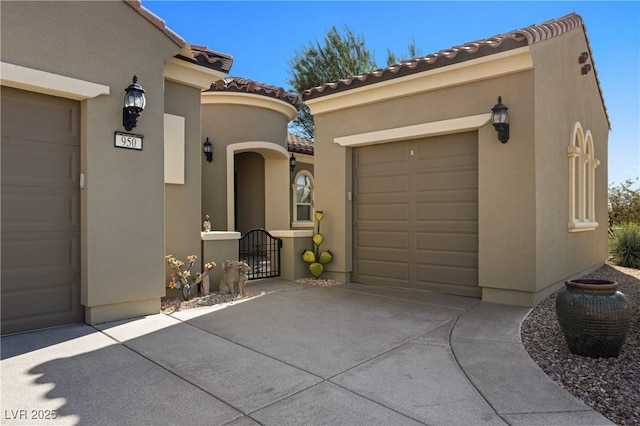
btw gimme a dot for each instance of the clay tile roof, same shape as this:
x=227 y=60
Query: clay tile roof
x=238 y=84
x=202 y=55
x=468 y=51
x=299 y=144
x=212 y=59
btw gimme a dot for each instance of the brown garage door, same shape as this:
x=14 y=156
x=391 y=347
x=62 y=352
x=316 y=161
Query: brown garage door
x=416 y=214
x=40 y=211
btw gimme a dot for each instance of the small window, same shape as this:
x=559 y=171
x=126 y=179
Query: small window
x=303 y=198
x=582 y=170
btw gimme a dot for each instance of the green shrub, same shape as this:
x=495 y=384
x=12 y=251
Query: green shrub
x=624 y=203
x=624 y=245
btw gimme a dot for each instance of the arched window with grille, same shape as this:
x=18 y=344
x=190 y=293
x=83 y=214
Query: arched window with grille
x=302 y=190
x=582 y=169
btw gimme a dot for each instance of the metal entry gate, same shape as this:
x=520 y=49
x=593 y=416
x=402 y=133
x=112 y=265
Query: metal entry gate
x=261 y=251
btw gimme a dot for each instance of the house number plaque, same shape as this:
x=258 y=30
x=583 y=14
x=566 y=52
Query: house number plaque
x=128 y=140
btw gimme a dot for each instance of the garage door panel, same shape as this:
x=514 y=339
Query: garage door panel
x=385 y=239
x=449 y=146
x=459 y=196
x=393 y=273
x=448 y=226
x=454 y=180
x=32 y=163
x=385 y=254
x=463 y=211
x=447 y=274
x=438 y=211
x=386 y=154
x=447 y=258
x=57 y=121
x=39 y=209
x=394 y=212
x=445 y=163
x=43 y=308
x=40 y=297
x=383 y=185
x=31 y=253
x=447 y=242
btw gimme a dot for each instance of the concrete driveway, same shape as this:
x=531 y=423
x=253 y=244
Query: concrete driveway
x=293 y=355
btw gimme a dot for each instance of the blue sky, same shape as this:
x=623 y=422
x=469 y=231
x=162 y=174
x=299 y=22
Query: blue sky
x=262 y=36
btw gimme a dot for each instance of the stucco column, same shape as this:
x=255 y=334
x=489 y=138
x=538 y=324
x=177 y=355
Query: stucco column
x=218 y=246
x=294 y=243
x=276 y=193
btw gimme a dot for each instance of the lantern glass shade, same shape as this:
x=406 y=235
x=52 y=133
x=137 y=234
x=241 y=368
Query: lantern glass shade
x=134 y=99
x=500 y=117
x=292 y=162
x=500 y=120
x=207 y=148
x=499 y=114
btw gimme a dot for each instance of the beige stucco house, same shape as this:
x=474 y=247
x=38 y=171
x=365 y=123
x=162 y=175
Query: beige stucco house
x=416 y=188
x=418 y=191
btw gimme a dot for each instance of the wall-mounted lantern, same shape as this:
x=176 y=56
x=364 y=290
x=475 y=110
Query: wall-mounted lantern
x=207 y=148
x=500 y=120
x=134 y=103
x=292 y=162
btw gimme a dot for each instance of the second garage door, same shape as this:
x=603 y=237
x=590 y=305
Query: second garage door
x=416 y=214
x=40 y=211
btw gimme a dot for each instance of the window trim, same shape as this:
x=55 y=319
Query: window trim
x=582 y=166
x=295 y=204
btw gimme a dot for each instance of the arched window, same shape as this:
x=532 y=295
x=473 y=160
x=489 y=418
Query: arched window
x=582 y=169
x=302 y=189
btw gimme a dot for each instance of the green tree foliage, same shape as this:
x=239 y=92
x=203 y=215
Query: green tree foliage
x=337 y=56
x=624 y=204
x=412 y=52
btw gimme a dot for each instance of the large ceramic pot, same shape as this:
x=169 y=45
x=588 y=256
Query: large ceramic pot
x=594 y=317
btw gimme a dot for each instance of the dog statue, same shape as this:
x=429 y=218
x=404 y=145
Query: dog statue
x=234 y=277
x=243 y=268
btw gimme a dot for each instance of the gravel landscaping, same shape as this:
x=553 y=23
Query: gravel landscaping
x=177 y=303
x=610 y=386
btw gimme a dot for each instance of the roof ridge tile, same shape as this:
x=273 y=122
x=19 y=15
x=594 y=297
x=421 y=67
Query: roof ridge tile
x=240 y=84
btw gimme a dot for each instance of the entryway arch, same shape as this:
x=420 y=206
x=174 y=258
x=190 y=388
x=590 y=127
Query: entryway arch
x=274 y=183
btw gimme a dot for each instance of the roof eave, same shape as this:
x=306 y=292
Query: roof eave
x=476 y=69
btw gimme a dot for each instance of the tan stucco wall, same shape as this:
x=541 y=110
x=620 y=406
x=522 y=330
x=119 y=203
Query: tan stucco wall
x=294 y=243
x=230 y=124
x=563 y=96
x=122 y=211
x=183 y=221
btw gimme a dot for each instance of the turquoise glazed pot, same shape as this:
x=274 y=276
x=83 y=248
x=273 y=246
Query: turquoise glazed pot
x=594 y=317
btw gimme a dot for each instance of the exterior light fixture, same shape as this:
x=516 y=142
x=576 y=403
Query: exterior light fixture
x=207 y=148
x=134 y=103
x=292 y=162
x=500 y=120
